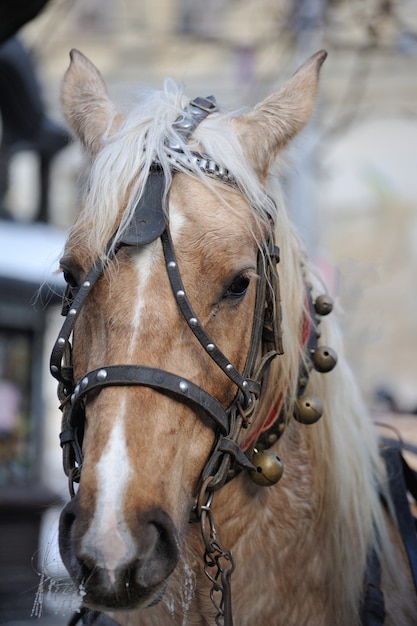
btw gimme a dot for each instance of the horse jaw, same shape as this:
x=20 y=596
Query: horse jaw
x=270 y=126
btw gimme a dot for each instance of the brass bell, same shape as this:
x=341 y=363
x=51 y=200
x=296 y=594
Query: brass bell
x=268 y=467
x=323 y=305
x=324 y=359
x=308 y=409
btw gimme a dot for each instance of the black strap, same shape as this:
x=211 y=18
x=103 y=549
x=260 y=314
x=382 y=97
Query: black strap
x=61 y=343
x=410 y=475
x=373 y=604
x=247 y=386
x=125 y=375
x=402 y=478
x=149 y=219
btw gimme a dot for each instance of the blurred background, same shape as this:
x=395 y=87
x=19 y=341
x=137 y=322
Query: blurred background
x=351 y=187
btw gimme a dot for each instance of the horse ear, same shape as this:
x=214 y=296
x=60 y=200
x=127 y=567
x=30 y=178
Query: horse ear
x=267 y=128
x=87 y=108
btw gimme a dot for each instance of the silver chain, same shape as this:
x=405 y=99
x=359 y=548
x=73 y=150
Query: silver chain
x=218 y=567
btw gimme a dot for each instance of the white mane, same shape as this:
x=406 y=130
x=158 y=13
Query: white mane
x=120 y=170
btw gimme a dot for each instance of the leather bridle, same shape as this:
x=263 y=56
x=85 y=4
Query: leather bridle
x=150 y=222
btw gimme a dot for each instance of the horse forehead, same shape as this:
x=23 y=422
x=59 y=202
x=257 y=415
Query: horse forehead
x=199 y=220
x=198 y=213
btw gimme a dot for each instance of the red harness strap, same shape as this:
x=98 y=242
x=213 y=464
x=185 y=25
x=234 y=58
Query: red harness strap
x=276 y=409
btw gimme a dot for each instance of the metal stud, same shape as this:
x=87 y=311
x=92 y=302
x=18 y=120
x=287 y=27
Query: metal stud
x=101 y=375
x=268 y=468
x=77 y=390
x=72 y=312
x=324 y=359
x=323 y=305
x=54 y=369
x=308 y=409
x=210 y=347
x=172 y=265
x=84 y=382
x=86 y=284
x=229 y=367
x=183 y=386
x=73 y=398
x=245 y=384
x=61 y=341
x=180 y=293
x=193 y=321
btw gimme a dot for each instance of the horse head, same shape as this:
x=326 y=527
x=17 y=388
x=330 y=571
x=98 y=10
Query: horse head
x=175 y=234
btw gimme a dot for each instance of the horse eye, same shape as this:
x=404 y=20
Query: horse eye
x=238 y=287
x=70 y=278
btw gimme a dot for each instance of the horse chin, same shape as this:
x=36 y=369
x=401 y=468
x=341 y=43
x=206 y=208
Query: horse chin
x=121 y=597
x=100 y=593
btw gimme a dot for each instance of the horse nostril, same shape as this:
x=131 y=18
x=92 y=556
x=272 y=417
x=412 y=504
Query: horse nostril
x=66 y=539
x=158 y=547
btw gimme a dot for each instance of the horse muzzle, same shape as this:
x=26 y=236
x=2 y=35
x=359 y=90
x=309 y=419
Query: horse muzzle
x=139 y=577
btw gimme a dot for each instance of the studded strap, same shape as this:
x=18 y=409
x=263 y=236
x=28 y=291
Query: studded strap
x=246 y=386
x=62 y=342
x=139 y=375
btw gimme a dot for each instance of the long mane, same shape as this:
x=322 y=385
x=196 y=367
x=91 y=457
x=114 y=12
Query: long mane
x=136 y=140
x=349 y=474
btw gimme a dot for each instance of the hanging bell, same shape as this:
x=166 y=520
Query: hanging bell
x=323 y=305
x=308 y=409
x=268 y=467
x=324 y=359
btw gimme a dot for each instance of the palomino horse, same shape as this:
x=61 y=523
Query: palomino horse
x=191 y=381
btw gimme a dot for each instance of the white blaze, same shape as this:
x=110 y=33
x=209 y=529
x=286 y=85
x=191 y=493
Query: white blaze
x=108 y=537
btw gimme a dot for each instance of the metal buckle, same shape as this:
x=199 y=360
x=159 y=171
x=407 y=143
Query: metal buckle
x=208 y=105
